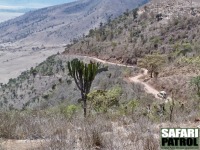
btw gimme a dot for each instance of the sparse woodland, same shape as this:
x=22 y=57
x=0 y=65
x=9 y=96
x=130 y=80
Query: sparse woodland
x=45 y=102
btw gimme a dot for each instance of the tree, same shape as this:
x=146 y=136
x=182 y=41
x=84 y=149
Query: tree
x=196 y=82
x=83 y=75
x=92 y=32
x=184 y=49
x=135 y=13
x=101 y=100
x=159 y=17
x=152 y=63
x=132 y=104
x=33 y=72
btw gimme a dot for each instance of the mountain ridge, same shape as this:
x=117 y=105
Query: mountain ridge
x=78 y=17
x=31 y=38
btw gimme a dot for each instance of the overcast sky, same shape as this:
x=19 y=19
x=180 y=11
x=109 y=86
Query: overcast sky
x=32 y=3
x=12 y=8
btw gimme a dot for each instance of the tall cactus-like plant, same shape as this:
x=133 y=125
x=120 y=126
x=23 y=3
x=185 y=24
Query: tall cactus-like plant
x=83 y=75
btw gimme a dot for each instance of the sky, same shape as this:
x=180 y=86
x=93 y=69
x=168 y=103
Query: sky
x=13 y=8
x=32 y=3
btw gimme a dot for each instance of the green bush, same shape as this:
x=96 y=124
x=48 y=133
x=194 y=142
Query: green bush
x=127 y=72
x=69 y=111
x=132 y=105
x=114 y=44
x=101 y=100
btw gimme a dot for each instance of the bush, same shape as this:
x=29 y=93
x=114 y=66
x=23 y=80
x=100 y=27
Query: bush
x=114 y=44
x=101 y=101
x=127 y=72
x=69 y=111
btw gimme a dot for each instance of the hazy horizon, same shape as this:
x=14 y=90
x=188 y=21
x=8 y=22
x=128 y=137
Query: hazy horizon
x=11 y=8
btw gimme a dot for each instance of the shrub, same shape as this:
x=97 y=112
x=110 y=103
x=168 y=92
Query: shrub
x=114 y=44
x=69 y=111
x=101 y=100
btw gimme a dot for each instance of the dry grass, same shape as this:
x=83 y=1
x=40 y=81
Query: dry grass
x=103 y=131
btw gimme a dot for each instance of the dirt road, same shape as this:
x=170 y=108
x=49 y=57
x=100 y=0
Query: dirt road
x=22 y=144
x=136 y=79
x=148 y=89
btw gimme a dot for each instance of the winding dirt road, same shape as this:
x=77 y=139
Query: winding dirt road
x=148 y=89
x=136 y=79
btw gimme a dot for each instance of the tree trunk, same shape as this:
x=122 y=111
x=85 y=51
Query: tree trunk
x=156 y=75
x=198 y=90
x=151 y=74
x=85 y=107
x=171 y=113
x=84 y=98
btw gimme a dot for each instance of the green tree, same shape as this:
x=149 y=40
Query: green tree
x=92 y=32
x=132 y=105
x=69 y=111
x=101 y=100
x=153 y=63
x=33 y=72
x=83 y=75
x=184 y=49
x=195 y=81
x=135 y=13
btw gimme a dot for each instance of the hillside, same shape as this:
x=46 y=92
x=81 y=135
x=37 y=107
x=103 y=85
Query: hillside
x=139 y=32
x=126 y=39
x=168 y=28
x=155 y=47
x=29 y=39
x=51 y=85
x=57 y=25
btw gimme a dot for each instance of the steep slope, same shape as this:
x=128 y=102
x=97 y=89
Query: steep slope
x=139 y=32
x=168 y=28
x=29 y=39
x=58 y=24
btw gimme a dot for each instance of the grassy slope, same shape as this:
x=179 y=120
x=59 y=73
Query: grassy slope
x=127 y=39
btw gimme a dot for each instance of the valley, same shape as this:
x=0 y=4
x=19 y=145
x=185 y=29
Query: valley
x=17 y=60
x=38 y=34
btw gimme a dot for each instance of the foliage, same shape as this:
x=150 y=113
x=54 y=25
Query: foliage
x=127 y=72
x=155 y=40
x=182 y=49
x=135 y=13
x=101 y=100
x=195 y=81
x=33 y=72
x=83 y=75
x=69 y=111
x=152 y=63
x=114 y=44
x=132 y=105
x=192 y=61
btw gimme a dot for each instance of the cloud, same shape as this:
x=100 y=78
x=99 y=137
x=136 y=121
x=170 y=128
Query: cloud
x=27 y=6
x=7 y=15
x=9 y=12
x=10 y=7
x=13 y=8
x=35 y=4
